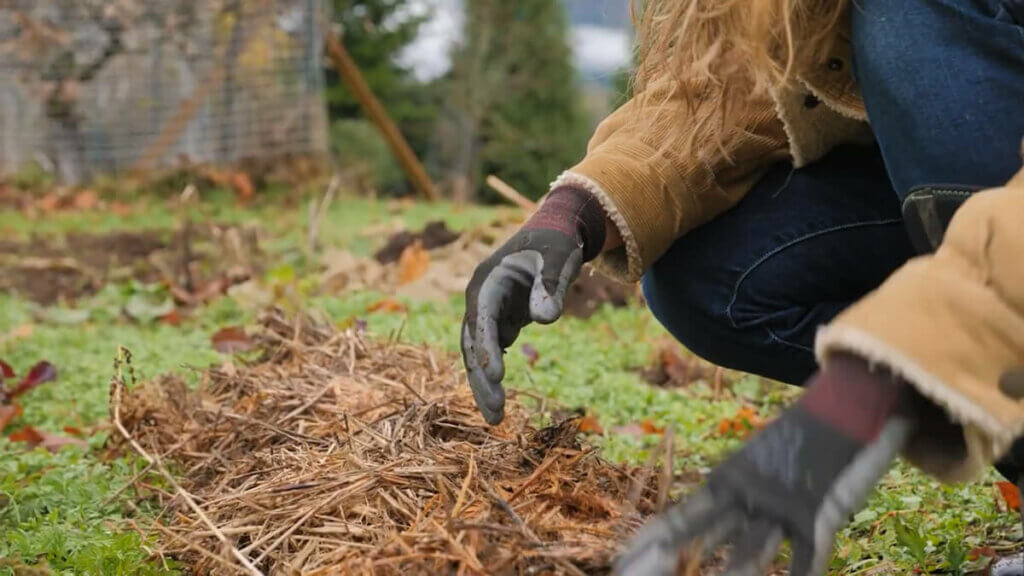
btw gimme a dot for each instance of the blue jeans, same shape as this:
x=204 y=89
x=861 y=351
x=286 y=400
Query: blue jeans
x=943 y=82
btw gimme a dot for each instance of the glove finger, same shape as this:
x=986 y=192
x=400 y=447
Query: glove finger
x=488 y=395
x=545 y=306
x=808 y=558
x=755 y=549
x=496 y=306
x=654 y=551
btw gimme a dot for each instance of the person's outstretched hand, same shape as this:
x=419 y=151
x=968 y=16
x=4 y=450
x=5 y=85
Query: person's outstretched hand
x=525 y=281
x=799 y=479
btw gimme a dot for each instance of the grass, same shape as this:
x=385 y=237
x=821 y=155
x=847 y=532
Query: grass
x=67 y=511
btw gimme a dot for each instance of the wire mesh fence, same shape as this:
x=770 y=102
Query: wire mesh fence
x=93 y=86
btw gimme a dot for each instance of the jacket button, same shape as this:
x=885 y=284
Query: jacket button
x=811 y=101
x=834 y=64
x=1012 y=384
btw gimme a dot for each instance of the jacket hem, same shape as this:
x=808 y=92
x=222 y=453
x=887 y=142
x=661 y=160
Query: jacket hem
x=834 y=104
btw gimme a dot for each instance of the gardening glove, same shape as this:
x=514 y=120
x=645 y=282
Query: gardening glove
x=800 y=479
x=526 y=281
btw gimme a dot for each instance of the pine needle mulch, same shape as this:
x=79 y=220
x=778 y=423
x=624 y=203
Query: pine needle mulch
x=334 y=453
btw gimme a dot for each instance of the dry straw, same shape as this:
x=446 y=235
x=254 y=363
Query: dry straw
x=337 y=454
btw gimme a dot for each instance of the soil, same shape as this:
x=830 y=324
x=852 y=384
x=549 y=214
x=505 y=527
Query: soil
x=80 y=264
x=592 y=290
x=434 y=235
x=46 y=272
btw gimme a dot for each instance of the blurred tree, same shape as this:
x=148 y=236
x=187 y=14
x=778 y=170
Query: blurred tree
x=375 y=32
x=513 y=107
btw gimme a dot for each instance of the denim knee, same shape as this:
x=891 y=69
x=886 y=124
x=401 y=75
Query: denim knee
x=693 y=310
x=942 y=81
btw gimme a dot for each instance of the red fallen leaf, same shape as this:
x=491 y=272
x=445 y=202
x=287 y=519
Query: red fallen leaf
x=1010 y=493
x=649 y=427
x=677 y=369
x=8 y=413
x=172 y=318
x=242 y=185
x=639 y=429
x=742 y=424
x=48 y=440
x=231 y=340
x=5 y=370
x=85 y=200
x=212 y=290
x=120 y=209
x=73 y=431
x=50 y=203
x=986 y=551
x=26 y=434
x=413 y=263
x=590 y=425
x=386 y=305
x=532 y=355
x=41 y=373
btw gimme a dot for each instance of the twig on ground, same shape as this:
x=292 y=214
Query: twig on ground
x=117 y=393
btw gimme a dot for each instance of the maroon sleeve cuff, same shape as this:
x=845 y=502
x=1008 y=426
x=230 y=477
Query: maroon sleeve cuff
x=576 y=212
x=852 y=398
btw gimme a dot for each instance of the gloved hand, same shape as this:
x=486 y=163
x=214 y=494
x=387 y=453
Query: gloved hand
x=799 y=479
x=525 y=281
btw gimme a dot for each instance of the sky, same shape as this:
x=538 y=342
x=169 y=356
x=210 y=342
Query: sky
x=600 y=49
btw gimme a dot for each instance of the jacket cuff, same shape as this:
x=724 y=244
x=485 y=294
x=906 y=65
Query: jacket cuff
x=984 y=438
x=624 y=263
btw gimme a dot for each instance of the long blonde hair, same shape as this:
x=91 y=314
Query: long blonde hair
x=717 y=55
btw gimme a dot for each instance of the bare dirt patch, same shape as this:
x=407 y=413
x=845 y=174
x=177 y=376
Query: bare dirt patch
x=47 y=271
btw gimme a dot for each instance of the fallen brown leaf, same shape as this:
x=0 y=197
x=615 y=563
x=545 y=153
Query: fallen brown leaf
x=50 y=441
x=120 y=209
x=590 y=425
x=1010 y=494
x=242 y=185
x=386 y=305
x=742 y=424
x=986 y=551
x=17 y=333
x=231 y=340
x=639 y=429
x=8 y=413
x=49 y=203
x=531 y=353
x=172 y=318
x=413 y=263
x=649 y=427
x=85 y=200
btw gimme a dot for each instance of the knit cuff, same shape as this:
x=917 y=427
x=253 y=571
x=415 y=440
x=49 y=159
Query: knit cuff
x=575 y=211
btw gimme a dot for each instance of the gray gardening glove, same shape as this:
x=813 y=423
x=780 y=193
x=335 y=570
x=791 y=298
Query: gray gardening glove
x=799 y=479
x=525 y=281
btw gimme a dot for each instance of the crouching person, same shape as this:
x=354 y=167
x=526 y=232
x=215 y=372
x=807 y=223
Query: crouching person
x=744 y=184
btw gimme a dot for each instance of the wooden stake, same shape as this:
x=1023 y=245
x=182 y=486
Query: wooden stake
x=353 y=78
x=511 y=194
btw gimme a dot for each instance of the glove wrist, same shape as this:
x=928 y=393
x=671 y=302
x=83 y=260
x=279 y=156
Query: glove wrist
x=851 y=398
x=576 y=212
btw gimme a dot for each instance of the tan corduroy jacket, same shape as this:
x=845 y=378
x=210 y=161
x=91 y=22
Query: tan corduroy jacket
x=952 y=323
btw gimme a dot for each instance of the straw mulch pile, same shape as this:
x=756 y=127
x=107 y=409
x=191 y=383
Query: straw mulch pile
x=337 y=454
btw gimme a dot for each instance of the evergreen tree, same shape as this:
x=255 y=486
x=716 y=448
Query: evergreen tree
x=515 y=108
x=375 y=32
